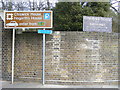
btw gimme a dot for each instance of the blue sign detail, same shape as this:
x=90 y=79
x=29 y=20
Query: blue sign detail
x=45 y=31
x=47 y=16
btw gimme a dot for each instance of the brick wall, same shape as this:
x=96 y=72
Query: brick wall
x=28 y=57
x=1 y=22
x=6 y=54
x=82 y=57
x=71 y=57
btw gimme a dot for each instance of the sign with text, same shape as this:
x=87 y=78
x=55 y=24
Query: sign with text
x=28 y=19
x=97 y=24
x=45 y=31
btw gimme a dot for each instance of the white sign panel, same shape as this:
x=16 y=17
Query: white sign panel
x=97 y=24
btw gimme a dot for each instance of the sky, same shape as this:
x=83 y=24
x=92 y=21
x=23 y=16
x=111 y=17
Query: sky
x=116 y=4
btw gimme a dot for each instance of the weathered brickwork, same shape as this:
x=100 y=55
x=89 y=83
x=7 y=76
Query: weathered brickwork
x=71 y=57
x=6 y=54
x=1 y=25
x=28 y=56
x=82 y=57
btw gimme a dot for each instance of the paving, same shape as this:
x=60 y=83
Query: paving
x=7 y=84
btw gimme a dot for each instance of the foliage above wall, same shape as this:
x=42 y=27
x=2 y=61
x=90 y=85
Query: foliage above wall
x=69 y=15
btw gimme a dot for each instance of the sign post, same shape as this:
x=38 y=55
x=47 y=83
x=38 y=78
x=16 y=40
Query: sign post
x=28 y=19
x=13 y=47
x=43 y=73
x=43 y=50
